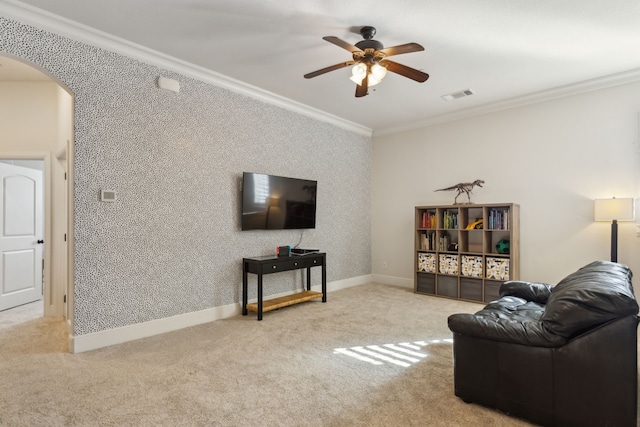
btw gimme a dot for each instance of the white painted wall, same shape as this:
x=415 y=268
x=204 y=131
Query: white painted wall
x=28 y=116
x=37 y=117
x=64 y=119
x=59 y=185
x=552 y=158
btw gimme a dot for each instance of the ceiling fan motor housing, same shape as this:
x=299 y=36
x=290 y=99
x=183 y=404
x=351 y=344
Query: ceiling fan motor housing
x=367 y=33
x=369 y=44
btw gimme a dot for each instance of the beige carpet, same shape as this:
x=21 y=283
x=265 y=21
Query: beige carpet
x=21 y=314
x=373 y=355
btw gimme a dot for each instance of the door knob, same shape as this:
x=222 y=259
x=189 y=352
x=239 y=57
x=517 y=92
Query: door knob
x=40 y=242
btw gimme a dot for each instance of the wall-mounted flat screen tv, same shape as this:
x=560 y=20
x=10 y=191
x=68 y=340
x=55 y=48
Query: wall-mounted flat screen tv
x=276 y=202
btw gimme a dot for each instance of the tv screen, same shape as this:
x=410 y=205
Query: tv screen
x=275 y=202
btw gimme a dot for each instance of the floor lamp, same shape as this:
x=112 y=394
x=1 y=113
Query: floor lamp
x=614 y=210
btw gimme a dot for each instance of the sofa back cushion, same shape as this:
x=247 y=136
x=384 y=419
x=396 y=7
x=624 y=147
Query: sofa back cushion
x=593 y=295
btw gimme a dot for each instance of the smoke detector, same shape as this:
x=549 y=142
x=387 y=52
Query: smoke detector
x=457 y=95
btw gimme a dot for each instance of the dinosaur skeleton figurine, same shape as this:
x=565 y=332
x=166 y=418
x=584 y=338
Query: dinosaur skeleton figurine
x=463 y=187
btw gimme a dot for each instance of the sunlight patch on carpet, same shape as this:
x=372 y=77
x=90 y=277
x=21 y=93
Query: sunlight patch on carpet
x=402 y=354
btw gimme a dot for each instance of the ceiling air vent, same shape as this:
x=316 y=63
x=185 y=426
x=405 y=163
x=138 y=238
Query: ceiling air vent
x=456 y=95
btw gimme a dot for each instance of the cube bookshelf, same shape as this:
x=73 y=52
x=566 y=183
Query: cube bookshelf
x=460 y=251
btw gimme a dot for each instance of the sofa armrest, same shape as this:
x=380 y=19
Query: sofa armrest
x=529 y=291
x=526 y=333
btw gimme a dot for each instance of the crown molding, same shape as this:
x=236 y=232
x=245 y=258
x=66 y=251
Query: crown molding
x=604 y=82
x=39 y=18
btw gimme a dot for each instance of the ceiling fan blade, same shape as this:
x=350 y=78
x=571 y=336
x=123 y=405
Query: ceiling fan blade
x=343 y=44
x=400 y=49
x=405 y=71
x=327 y=69
x=363 y=88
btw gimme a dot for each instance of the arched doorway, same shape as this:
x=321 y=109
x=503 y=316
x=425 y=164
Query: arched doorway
x=36 y=125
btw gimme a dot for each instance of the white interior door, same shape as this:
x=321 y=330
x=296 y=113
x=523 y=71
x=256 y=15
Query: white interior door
x=21 y=235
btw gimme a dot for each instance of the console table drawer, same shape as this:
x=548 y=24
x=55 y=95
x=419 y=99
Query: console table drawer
x=309 y=262
x=285 y=264
x=274 y=267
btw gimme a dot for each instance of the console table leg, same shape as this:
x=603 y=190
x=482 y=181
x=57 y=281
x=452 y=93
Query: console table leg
x=259 y=296
x=308 y=278
x=324 y=282
x=244 y=291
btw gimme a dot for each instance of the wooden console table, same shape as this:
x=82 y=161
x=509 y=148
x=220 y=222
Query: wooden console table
x=274 y=264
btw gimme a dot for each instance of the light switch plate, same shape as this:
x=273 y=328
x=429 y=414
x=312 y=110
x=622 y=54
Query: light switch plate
x=107 y=196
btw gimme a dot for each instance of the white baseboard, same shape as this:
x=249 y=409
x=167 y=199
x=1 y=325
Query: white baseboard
x=392 y=280
x=93 y=341
x=96 y=340
x=347 y=283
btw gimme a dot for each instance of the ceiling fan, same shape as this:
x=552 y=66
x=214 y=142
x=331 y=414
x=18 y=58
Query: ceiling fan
x=370 y=63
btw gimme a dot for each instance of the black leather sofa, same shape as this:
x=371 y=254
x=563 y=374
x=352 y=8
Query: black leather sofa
x=563 y=355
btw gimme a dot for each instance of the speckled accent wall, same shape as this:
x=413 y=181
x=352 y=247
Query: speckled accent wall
x=171 y=244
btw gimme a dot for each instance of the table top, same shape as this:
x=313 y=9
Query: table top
x=276 y=257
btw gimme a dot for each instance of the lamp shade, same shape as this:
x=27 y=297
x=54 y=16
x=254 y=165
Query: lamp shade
x=614 y=209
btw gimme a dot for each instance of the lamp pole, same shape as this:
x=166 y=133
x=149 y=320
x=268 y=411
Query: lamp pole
x=614 y=240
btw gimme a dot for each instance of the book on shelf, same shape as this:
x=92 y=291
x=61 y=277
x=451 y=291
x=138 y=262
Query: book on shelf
x=499 y=219
x=427 y=241
x=444 y=241
x=450 y=220
x=428 y=219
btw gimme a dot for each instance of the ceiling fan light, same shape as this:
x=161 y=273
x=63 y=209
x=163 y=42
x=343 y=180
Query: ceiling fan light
x=372 y=80
x=358 y=72
x=378 y=72
x=356 y=80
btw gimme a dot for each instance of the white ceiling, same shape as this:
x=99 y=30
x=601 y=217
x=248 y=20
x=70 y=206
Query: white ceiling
x=506 y=51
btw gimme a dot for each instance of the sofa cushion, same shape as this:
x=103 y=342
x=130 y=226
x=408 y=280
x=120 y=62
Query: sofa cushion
x=509 y=319
x=531 y=291
x=593 y=295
